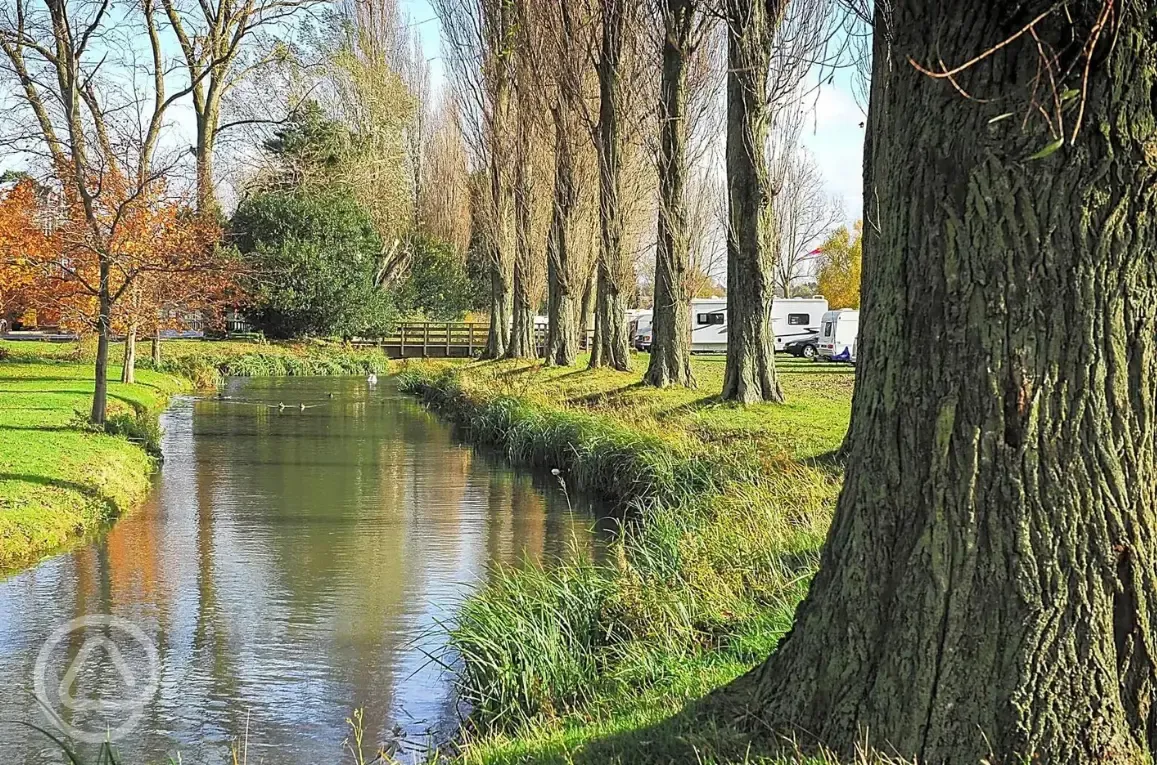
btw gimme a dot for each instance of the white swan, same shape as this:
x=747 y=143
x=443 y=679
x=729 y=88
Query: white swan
x=372 y=379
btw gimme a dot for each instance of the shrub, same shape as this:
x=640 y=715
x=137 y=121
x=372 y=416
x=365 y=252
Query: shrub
x=317 y=255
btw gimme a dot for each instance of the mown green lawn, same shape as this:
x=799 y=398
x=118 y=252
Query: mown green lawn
x=59 y=478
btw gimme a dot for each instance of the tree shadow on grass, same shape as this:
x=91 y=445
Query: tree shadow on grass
x=79 y=380
x=534 y=367
x=717 y=728
x=602 y=396
x=40 y=428
x=134 y=405
x=832 y=463
x=60 y=483
x=688 y=407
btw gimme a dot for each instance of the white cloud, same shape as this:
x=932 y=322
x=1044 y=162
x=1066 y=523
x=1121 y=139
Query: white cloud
x=835 y=136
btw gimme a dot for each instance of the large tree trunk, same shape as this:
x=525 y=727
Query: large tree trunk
x=207 y=122
x=522 y=344
x=501 y=271
x=985 y=590
x=562 y=337
x=612 y=339
x=129 y=365
x=750 y=372
x=671 y=311
x=103 y=324
x=500 y=309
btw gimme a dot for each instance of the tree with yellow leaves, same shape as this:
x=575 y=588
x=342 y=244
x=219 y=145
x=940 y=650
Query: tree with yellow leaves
x=838 y=267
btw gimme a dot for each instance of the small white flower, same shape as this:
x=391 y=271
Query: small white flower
x=555 y=471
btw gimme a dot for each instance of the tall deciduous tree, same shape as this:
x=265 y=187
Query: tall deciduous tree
x=567 y=47
x=611 y=346
x=67 y=62
x=986 y=589
x=772 y=45
x=524 y=81
x=684 y=23
x=221 y=44
x=750 y=372
x=479 y=37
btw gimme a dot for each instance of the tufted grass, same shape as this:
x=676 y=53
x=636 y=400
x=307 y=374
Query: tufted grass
x=725 y=509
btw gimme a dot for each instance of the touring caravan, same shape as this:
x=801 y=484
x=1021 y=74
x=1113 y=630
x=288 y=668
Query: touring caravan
x=838 y=335
x=641 y=331
x=791 y=319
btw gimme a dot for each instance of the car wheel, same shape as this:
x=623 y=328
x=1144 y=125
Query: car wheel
x=810 y=352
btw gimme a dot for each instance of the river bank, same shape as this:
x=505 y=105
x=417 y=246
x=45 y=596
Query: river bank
x=59 y=478
x=727 y=509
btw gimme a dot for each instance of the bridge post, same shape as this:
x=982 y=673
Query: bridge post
x=447 y=339
x=402 y=341
x=425 y=339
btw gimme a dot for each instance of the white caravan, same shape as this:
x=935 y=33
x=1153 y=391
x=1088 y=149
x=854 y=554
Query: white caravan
x=838 y=335
x=791 y=319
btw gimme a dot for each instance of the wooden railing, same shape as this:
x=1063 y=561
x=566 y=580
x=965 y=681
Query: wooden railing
x=443 y=339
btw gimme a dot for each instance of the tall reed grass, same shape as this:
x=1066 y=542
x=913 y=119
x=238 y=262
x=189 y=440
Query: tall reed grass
x=718 y=546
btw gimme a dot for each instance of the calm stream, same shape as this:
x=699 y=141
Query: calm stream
x=291 y=566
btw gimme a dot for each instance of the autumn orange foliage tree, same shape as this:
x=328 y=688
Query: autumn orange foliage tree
x=157 y=254
x=21 y=242
x=838 y=267
x=116 y=232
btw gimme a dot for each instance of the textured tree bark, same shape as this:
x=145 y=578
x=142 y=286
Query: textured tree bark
x=207 y=120
x=522 y=333
x=103 y=324
x=986 y=591
x=586 y=319
x=562 y=337
x=611 y=347
x=750 y=372
x=501 y=276
x=129 y=365
x=671 y=313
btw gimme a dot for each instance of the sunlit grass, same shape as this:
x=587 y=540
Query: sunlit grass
x=727 y=508
x=58 y=478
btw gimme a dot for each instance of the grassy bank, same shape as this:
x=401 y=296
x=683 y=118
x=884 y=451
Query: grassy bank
x=726 y=508
x=205 y=363
x=61 y=479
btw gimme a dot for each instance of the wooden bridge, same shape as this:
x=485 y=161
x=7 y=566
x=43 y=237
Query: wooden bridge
x=442 y=340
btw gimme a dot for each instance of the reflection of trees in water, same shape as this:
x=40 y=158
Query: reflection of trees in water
x=318 y=542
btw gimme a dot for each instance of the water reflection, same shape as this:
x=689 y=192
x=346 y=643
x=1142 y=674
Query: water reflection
x=291 y=566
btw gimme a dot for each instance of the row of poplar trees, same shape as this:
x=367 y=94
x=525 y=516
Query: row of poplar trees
x=574 y=72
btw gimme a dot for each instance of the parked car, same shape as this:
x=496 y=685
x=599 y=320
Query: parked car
x=804 y=347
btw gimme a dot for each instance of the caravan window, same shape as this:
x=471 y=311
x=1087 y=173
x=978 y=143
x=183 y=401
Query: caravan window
x=828 y=327
x=709 y=318
x=798 y=319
